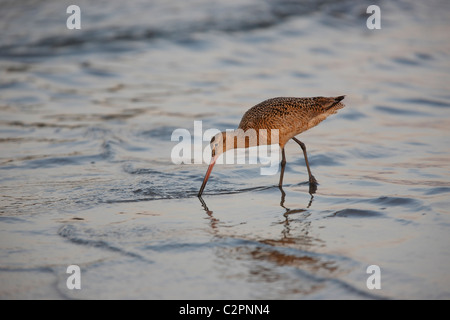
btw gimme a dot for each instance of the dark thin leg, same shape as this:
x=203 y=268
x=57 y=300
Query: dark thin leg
x=283 y=164
x=312 y=180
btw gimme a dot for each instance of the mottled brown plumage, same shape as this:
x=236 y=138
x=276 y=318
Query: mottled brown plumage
x=290 y=116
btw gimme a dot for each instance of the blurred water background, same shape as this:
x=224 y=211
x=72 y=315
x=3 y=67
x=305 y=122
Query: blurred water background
x=86 y=178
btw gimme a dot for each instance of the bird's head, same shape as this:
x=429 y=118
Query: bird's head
x=228 y=140
x=218 y=145
x=233 y=139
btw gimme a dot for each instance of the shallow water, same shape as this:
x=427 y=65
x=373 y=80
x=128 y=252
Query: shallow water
x=86 y=175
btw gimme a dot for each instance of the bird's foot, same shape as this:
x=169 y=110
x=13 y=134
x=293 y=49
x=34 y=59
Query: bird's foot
x=313 y=180
x=312 y=185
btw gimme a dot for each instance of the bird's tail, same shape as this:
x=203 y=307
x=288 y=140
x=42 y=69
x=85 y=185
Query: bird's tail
x=336 y=104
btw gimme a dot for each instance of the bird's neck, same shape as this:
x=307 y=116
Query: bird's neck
x=239 y=138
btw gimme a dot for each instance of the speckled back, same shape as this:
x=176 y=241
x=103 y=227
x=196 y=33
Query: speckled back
x=290 y=115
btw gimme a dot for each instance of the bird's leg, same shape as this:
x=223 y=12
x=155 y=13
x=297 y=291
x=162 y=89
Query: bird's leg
x=312 y=180
x=283 y=164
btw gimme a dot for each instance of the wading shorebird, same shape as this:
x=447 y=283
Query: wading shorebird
x=290 y=116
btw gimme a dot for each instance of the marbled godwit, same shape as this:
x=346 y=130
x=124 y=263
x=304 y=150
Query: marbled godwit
x=291 y=116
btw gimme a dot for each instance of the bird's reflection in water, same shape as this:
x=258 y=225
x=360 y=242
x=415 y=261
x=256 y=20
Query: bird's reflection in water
x=289 y=212
x=295 y=219
x=312 y=190
x=294 y=248
x=213 y=221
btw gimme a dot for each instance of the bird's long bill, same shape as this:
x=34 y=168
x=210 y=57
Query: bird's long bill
x=208 y=172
